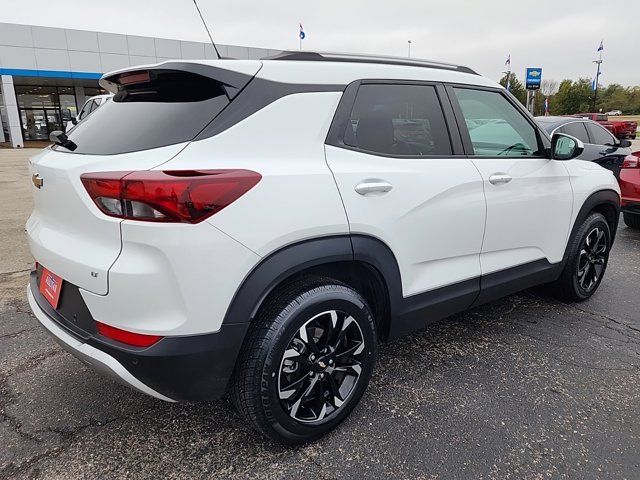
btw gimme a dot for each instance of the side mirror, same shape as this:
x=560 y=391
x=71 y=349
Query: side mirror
x=565 y=147
x=624 y=143
x=59 y=138
x=74 y=120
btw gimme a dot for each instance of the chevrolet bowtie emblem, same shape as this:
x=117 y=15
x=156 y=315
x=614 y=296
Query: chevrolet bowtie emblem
x=37 y=180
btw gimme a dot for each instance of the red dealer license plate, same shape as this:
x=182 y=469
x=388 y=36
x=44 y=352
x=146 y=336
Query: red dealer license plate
x=50 y=286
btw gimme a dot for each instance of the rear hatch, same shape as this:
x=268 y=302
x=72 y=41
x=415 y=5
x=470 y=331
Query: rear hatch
x=155 y=112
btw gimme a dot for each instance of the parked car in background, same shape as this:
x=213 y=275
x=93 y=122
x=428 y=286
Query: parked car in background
x=630 y=188
x=614 y=113
x=621 y=129
x=89 y=106
x=600 y=146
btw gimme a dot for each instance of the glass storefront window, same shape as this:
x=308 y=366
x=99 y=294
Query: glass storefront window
x=36 y=97
x=42 y=109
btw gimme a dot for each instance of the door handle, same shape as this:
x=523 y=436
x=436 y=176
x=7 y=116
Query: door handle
x=500 y=178
x=373 y=187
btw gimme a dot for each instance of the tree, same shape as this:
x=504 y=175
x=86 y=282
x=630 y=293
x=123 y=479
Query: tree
x=549 y=88
x=617 y=97
x=573 y=97
x=516 y=88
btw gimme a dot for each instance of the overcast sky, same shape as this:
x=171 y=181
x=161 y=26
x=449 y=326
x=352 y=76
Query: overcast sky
x=561 y=36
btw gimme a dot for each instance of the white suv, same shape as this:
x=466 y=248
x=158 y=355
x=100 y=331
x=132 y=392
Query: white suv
x=259 y=226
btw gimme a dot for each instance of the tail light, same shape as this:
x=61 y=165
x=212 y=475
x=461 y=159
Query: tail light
x=187 y=196
x=124 y=336
x=631 y=161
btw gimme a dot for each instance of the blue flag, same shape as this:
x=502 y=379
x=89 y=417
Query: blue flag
x=302 y=35
x=601 y=47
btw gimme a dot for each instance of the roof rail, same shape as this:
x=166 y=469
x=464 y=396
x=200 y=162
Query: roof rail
x=357 y=58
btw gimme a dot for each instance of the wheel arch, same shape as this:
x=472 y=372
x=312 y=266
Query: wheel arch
x=605 y=202
x=364 y=263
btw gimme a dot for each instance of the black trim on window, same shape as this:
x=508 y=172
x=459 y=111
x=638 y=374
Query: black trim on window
x=256 y=95
x=341 y=119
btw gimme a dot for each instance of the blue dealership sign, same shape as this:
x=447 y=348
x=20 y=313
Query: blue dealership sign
x=533 y=79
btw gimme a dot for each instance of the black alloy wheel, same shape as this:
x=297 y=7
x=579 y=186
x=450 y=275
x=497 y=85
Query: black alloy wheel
x=592 y=259
x=586 y=261
x=307 y=360
x=321 y=366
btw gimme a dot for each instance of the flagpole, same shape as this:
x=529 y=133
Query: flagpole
x=597 y=80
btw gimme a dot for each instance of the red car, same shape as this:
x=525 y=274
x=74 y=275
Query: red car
x=620 y=128
x=630 y=187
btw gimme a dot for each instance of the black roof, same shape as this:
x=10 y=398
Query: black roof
x=353 y=58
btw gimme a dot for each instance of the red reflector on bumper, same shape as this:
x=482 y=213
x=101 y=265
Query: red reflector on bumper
x=130 y=338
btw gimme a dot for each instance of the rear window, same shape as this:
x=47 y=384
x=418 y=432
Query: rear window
x=599 y=135
x=166 y=108
x=575 y=129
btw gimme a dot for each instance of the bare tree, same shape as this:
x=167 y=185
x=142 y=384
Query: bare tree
x=549 y=87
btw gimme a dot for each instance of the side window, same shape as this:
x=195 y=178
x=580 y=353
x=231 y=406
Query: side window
x=398 y=120
x=577 y=130
x=94 y=105
x=496 y=127
x=599 y=135
x=85 y=110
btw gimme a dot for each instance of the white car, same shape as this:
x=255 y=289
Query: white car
x=614 y=113
x=262 y=225
x=88 y=107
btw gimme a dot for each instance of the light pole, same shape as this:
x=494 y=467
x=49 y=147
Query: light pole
x=597 y=79
x=595 y=87
x=409 y=54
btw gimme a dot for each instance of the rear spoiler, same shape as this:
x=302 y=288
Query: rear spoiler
x=233 y=79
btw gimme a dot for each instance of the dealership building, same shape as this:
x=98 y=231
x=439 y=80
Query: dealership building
x=47 y=71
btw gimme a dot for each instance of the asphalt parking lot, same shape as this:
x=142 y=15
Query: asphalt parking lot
x=526 y=387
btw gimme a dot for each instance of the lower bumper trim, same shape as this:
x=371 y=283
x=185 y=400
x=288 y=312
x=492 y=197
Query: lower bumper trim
x=98 y=359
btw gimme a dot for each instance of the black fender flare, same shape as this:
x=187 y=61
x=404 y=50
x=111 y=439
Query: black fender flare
x=280 y=265
x=297 y=257
x=601 y=197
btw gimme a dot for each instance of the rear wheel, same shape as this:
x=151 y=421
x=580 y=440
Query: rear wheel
x=306 y=362
x=587 y=261
x=631 y=220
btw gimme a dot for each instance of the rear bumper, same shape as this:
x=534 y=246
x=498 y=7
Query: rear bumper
x=187 y=368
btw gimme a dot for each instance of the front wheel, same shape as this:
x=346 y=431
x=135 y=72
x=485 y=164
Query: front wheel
x=587 y=260
x=631 y=220
x=307 y=361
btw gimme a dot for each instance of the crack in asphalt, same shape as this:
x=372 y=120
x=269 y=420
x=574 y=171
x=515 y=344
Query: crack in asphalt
x=34 y=361
x=15 y=271
x=19 y=332
x=66 y=437
x=602 y=315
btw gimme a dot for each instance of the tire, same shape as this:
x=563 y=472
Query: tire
x=279 y=377
x=631 y=220
x=587 y=260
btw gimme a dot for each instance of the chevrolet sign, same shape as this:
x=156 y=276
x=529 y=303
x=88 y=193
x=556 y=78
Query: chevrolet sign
x=533 y=78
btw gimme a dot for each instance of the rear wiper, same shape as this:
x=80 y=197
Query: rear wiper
x=60 y=138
